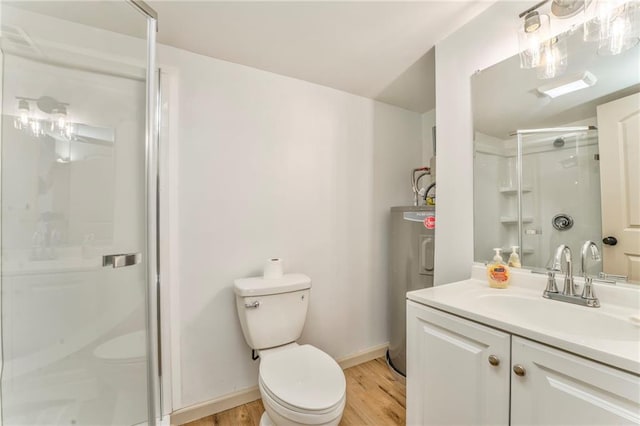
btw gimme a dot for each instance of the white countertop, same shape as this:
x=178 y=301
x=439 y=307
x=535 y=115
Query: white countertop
x=609 y=334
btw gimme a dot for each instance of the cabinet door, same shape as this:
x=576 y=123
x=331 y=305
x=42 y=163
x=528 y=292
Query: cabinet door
x=450 y=380
x=559 y=388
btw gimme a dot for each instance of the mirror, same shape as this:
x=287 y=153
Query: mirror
x=563 y=169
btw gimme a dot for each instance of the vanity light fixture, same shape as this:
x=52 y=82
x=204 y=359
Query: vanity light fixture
x=568 y=84
x=613 y=24
x=56 y=120
x=537 y=48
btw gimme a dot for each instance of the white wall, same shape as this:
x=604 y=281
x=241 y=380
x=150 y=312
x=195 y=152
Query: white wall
x=273 y=166
x=428 y=121
x=486 y=40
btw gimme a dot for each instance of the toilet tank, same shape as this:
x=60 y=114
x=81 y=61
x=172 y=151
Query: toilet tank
x=272 y=311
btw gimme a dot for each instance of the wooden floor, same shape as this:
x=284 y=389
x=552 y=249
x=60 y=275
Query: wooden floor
x=374 y=397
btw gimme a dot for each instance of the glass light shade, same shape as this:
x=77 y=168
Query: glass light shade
x=17 y=124
x=23 y=112
x=60 y=121
x=59 y=118
x=69 y=131
x=614 y=24
x=531 y=42
x=597 y=18
x=553 y=62
x=622 y=31
x=36 y=128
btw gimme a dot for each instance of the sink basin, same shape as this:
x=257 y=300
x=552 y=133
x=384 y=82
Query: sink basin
x=541 y=313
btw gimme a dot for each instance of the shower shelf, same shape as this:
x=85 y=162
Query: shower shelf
x=509 y=190
x=510 y=220
x=526 y=251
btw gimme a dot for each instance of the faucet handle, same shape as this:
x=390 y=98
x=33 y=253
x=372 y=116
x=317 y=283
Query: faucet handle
x=588 y=293
x=551 y=282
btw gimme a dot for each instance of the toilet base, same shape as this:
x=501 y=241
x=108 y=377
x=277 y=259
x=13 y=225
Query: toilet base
x=265 y=420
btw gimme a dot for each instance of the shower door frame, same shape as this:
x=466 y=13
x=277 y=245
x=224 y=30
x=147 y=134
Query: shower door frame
x=154 y=364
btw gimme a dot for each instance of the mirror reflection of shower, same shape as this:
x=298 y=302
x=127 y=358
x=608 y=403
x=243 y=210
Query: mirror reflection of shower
x=555 y=173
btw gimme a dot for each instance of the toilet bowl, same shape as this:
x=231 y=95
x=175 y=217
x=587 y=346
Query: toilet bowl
x=121 y=366
x=299 y=384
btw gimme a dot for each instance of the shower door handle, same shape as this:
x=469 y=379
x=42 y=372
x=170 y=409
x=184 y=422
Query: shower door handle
x=121 y=260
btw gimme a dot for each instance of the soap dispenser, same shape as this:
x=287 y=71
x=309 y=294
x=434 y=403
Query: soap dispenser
x=498 y=271
x=514 y=258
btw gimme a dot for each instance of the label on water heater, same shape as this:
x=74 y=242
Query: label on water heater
x=416 y=216
x=430 y=222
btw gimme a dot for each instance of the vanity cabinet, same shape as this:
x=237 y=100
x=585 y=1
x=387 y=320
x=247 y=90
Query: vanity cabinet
x=457 y=370
x=464 y=373
x=559 y=388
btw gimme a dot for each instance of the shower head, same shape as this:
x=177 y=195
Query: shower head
x=558 y=142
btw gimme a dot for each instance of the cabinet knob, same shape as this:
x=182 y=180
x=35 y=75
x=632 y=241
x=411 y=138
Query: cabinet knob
x=494 y=360
x=519 y=370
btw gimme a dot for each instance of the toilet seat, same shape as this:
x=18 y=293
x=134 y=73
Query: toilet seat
x=279 y=414
x=130 y=347
x=302 y=382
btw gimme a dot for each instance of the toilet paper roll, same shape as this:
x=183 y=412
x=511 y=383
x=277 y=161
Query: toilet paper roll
x=273 y=268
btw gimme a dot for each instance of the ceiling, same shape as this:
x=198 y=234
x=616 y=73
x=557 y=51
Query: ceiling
x=381 y=50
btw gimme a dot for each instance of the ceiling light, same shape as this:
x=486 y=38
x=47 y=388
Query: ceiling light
x=568 y=84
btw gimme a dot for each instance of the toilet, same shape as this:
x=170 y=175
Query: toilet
x=122 y=366
x=299 y=384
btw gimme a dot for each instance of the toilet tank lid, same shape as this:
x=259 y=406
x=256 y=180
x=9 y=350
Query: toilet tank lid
x=259 y=286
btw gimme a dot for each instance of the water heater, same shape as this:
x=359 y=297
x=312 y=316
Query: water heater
x=411 y=268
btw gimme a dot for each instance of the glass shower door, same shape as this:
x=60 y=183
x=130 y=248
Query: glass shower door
x=74 y=261
x=560 y=193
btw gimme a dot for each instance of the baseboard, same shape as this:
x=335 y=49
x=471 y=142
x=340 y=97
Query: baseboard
x=208 y=408
x=363 y=356
x=226 y=402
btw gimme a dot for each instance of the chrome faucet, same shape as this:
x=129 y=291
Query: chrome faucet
x=563 y=252
x=569 y=292
x=589 y=247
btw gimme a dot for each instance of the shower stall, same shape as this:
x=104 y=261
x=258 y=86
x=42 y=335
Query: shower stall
x=78 y=265
x=536 y=190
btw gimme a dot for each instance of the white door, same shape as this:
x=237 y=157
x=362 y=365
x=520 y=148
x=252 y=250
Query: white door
x=451 y=379
x=619 y=141
x=557 y=388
